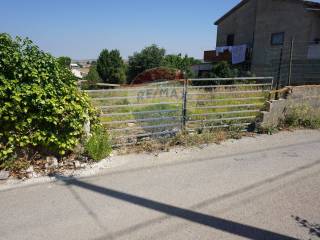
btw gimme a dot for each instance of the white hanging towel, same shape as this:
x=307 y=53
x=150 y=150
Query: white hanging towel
x=239 y=54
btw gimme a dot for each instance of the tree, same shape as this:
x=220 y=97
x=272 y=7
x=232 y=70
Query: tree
x=219 y=70
x=182 y=63
x=149 y=57
x=64 y=61
x=223 y=70
x=80 y=65
x=93 y=77
x=110 y=67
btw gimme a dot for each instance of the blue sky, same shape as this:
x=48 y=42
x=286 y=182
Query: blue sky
x=82 y=28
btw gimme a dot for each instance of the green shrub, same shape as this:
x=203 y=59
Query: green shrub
x=98 y=146
x=41 y=107
x=219 y=70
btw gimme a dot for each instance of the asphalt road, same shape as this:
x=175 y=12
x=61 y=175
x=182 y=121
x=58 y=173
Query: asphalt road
x=255 y=188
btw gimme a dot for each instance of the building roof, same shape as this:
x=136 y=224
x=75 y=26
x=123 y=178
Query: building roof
x=235 y=8
x=309 y=4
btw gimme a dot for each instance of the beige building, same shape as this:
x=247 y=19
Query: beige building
x=268 y=28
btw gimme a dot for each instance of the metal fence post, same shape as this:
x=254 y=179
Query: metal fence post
x=290 y=63
x=279 y=74
x=184 y=104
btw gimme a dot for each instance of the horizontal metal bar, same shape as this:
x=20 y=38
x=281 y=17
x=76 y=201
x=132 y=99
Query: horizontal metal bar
x=221 y=126
x=137 y=113
x=139 y=105
x=222 y=113
x=231 y=85
x=129 y=97
x=112 y=98
x=144 y=127
x=229 y=92
x=129 y=89
x=221 y=119
x=149 y=134
x=142 y=120
x=227 y=106
x=228 y=99
x=228 y=79
x=99 y=84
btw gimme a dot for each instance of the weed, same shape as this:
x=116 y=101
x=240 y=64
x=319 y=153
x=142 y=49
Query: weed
x=270 y=130
x=15 y=165
x=98 y=146
x=302 y=116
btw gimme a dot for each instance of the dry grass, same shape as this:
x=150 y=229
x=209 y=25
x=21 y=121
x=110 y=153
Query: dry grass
x=182 y=140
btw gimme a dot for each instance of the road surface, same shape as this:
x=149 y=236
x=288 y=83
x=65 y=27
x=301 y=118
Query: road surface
x=266 y=187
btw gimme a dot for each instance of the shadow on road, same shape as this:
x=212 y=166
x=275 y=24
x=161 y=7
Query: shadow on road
x=314 y=229
x=228 y=226
x=205 y=159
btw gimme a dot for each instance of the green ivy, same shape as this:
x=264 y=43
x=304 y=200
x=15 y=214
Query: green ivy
x=40 y=105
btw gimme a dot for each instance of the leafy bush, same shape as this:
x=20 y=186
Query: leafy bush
x=41 y=107
x=220 y=70
x=98 y=146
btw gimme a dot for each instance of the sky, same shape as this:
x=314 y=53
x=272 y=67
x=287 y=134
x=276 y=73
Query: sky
x=82 y=28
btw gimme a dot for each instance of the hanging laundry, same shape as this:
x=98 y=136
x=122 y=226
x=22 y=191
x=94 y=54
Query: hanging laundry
x=223 y=49
x=238 y=54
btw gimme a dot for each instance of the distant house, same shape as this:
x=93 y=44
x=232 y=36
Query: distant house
x=75 y=69
x=79 y=72
x=267 y=26
x=74 y=66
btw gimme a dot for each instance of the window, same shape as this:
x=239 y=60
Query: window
x=230 y=40
x=277 y=39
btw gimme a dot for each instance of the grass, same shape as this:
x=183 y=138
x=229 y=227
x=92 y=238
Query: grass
x=302 y=116
x=184 y=139
x=297 y=116
x=200 y=101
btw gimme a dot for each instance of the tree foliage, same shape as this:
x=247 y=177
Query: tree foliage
x=41 y=107
x=183 y=63
x=219 y=70
x=93 y=76
x=223 y=70
x=64 y=61
x=111 y=67
x=150 y=57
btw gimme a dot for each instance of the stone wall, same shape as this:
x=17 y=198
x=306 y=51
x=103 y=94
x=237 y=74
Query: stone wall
x=296 y=97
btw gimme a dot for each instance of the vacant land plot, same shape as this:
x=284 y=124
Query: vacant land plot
x=134 y=113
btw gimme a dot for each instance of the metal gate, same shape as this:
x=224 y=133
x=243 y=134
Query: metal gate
x=138 y=113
